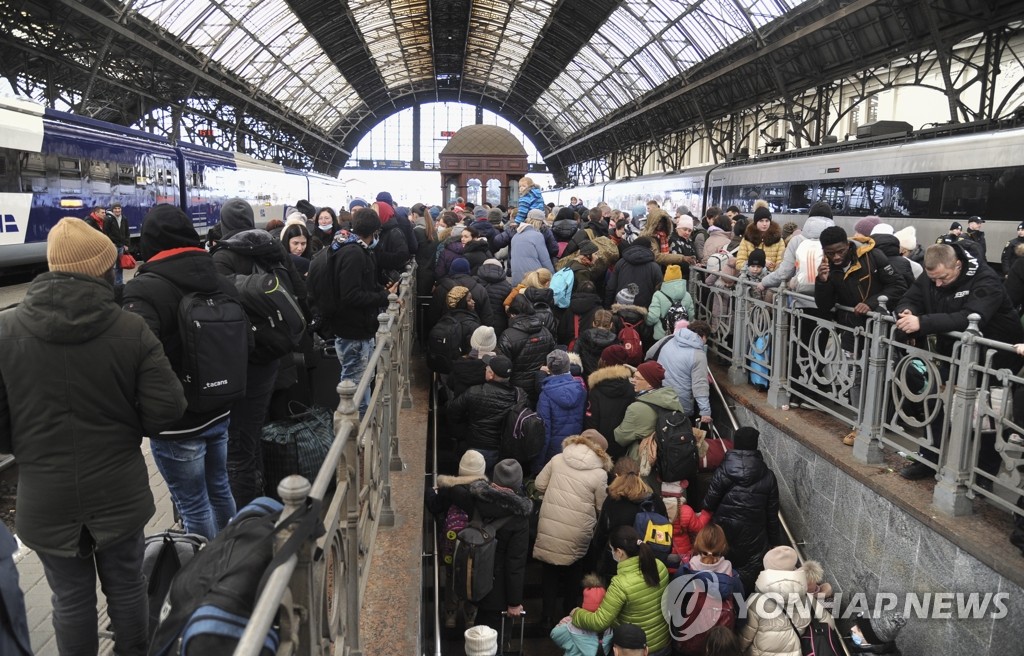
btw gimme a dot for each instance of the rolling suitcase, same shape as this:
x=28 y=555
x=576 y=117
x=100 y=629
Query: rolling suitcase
x=325 y=372
x=505 y=643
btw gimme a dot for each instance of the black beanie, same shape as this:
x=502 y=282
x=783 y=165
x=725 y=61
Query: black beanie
x=745 y=438
x=762 y=213
x=832 y=235
x=235 y=216
x=740 y=227
x=306 y=208
x=756 y=258
x=166 y=227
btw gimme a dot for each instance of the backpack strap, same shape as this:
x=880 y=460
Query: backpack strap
x=576 y=325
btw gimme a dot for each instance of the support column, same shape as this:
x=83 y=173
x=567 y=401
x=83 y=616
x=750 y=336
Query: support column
x=867 y=448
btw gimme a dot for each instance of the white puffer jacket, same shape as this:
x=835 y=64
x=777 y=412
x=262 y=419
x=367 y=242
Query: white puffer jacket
x=768 y=632
x=574 y=483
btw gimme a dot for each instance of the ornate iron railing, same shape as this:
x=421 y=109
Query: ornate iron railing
x=315 y=597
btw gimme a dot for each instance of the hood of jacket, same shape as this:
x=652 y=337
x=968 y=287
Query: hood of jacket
x=540 y=295
x=67 y=308
x=493 y=502
x=583 y=302
x=445 y=480
x=235 y=216
x=743 y=466
x=164 y=228
x=686 y=338
x=674 y=289
x=564 y=390
x=638 y=255
x=968 y=271
x=257 y=244
x=888 y=244
x=582 y=454
x=528 y=323
x=478 y=245
x=663 y=397
x=782 y=582
x=614 y=372
x=771 y=236
x=191 y=269
x=619 y=309
x=814 y=225
x=658 y=221
x=491 y=273
x=600 y=337
x=861 y=246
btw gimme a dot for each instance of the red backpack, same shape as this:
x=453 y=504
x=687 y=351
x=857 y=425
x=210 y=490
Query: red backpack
x=630 y=340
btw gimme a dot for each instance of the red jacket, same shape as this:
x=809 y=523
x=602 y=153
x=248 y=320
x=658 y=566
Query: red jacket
x=687 y=523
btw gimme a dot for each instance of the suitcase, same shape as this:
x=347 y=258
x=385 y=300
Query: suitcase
x=325 y=372
x=505 y=643
x=166 y=553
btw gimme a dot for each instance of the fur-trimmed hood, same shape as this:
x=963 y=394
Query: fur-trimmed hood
x=451 y=481
x=814 y=571
x=619 y=307
x=493 y=502
x=757 y=238
x=613 y=372
x=580 y=453
x=658 y=219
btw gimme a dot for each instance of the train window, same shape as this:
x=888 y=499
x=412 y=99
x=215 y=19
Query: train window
x=799 y=198
x=865 y=197
x=964 y=195
x=70 y=171
x=746 y=197
x=125 y=174
x=908 y=197
x=833 y=193
x=99 y=171
x=33 y=162
x=1004 y=196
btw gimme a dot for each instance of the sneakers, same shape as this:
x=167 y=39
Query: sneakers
x=850 y=438
x=917 y=471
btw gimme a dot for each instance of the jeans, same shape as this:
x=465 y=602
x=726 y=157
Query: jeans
x=245 y=461
x=118 y=271
x=196 y=472
x=354 y=356
x=73 y=583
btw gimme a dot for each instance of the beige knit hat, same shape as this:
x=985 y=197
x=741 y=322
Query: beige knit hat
x=76 y=247
x=455 y=296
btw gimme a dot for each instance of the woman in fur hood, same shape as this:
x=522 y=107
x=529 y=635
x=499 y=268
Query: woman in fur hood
x=574 y=484
x=661 y=229
x=762 y=233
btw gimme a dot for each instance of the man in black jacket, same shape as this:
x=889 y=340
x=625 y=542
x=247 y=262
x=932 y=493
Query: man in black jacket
x=483 y=409
x=360 y=298
x=192 y=454
x=956 y=284
x=744 y=496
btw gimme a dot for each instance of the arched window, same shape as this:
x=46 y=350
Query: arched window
x=493 y=191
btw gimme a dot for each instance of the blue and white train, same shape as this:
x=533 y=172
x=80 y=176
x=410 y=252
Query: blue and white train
x=54 y=164
x=923 y=180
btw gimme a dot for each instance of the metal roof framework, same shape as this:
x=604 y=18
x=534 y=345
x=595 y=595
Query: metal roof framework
x=581 y=79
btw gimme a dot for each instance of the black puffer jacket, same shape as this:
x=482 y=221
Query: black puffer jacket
x=467 y=371
x=392 y=251
x=611 y=392
x=543 y=301
x=583 y=305
x=636 y=266
x=564 y=228
x=589 y=346
x=439 y=302
x=527 y=343
x=494 y=280
x=476 y=252
x=744 y=496
x=154 y=294
x=889 y=245
x=238 y=254
x=425 y=253
x=359 y=293
x=483 y=408
x=513 y=540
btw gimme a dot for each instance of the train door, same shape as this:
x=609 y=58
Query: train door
x=716 y=191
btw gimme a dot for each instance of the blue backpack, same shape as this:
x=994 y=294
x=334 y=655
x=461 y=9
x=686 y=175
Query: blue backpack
x=654 y=528
x=760 y=356
x=561 y=286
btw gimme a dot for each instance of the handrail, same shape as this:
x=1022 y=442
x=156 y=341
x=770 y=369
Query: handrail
x=434 y=532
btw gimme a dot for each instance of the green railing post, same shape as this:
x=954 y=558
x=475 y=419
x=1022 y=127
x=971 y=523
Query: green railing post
x=867 y=448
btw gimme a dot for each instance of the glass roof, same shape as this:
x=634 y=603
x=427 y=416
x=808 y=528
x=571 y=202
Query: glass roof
x=266 y=45
x=643 y=44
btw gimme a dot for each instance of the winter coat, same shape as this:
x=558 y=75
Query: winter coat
x=239 y=254
x=526 y=343
x=768 y=633
x=716 y=241
x=891 y=247
x=574 y=485
x=686 y=371
x=483 y=409
x=671 y=292
x=1010 y=254
x=451 y=490
x=485 y=229
x=543 y=301
x=636 y=266
x=868 y=276
x=640 y=418
x=615 y=513
x=729 y=587
x=575 y=641
x=687 y=523
x=476 y=252
x=978 y=237
x=494 y=281
x=531 y=200
x=448 y=250
x=512 y=542
x=117 y=232
x=787 y=269
x=393 y=251
x=629 y=600
x=14 y=635
x=611 y=392
x=660 y=228
x=590 y=344
x=481 y=299
x=582 y=305
x=977 y=289
x=635 y=316
x=359 y=294
x=154 y=294
x=744 y=496
x=81 y=381
x=528 y=253
x=770 y=242
x=467 y=371
x=426 y=251
x=563 y=229
x=561 y=405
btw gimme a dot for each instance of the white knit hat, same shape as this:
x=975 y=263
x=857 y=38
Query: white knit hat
x=907 y=237
x=472 y=464
x=481 y=641
x=483 y=340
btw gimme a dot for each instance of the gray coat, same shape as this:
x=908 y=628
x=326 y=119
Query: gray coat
x=529 y=253
x=686 y=370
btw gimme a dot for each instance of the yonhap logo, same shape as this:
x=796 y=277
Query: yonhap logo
x=692 y=605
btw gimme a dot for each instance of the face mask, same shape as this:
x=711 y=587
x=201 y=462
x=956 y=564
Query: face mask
x=857 y=638
x=325 y=228
x=374 y=243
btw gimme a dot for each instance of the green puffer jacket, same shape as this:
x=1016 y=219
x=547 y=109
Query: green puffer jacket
x=630 y=600
x=641 y=418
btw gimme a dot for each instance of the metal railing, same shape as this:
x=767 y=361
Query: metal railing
x=315 y=596
x=945 y=396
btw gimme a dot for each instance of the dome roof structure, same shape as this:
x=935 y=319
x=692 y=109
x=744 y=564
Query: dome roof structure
x=484 y=140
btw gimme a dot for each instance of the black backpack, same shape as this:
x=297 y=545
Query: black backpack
x=476 y=549
x=444 y=344
x=524 y=433
x=321 y=279
x=213 y=595
x=677 y=448
x=165 y=554
x=673 y=315
x=273 y=310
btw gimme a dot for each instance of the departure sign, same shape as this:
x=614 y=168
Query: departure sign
x=448 y=134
